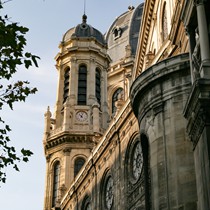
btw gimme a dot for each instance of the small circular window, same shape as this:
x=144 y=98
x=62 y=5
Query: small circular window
x=109 y=193
x=137 y=161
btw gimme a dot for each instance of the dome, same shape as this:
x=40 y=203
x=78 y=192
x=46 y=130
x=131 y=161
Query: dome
x=84 y=30
x=124 y=33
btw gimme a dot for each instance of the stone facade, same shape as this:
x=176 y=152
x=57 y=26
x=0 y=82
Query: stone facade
x=139 y=139
x=189 y=98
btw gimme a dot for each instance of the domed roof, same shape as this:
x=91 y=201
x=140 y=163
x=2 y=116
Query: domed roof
x=84 y=30
x=124 y=33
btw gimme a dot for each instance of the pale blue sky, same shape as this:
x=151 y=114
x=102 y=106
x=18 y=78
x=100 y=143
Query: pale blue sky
x=47 y=20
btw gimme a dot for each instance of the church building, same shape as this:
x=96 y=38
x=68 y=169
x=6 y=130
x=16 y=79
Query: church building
x=131 y=125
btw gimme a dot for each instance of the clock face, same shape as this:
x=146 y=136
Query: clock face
x=81 y=116
x=137 y=161
x=109 y=196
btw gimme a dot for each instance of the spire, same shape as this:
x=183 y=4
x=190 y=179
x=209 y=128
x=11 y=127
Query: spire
x=84 y=6
x=84 y=18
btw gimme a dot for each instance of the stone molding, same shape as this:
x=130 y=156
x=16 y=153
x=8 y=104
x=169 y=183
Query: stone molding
x=197 y=109
x=144 y=36
x=69 y=139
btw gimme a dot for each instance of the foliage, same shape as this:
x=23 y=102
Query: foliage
x=12 y=55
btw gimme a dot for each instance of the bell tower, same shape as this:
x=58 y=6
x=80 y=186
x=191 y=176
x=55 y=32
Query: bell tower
x=81 y=111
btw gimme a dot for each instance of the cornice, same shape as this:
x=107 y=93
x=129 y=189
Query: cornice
x=65 y=137
x=176 y=20
x=143 y=36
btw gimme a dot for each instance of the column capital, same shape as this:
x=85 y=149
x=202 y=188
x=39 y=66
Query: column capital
x=67 y=151
x=73 y=60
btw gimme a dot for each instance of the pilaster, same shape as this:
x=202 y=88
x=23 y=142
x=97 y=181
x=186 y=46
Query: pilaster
x=66 y=120
x=73 y=81
x=104 y=102
x=59 y=98
x=67 y=164
x=91 y=83
x=96 y=118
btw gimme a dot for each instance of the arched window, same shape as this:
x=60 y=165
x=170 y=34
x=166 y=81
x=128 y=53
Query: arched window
x=98 y=86
x=56 y=172
x=134 y=174
x=107 y=191
x=82 y=85
x=86 y=204
x=146 y=166
x=164 y=23
x=66 y=85
x=79 y=162
x=115 y=97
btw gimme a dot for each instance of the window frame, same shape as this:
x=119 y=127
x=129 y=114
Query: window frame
x=115 y=99
x=82 y=85
x=77 y=167
x=98 y=85
x=56 y=180
x=66 y=84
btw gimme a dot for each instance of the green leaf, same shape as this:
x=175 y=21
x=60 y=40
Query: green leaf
x=34 y=59
x=27 y=63
x=7 y=128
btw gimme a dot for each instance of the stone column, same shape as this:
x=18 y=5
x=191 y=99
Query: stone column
x=67 y=168
x=191 y=36
x=203 y=39
x=104 y=103
x=96 y=118
x=66 y=117
x=59 y=98
x=47 y=198
x=91 y=82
